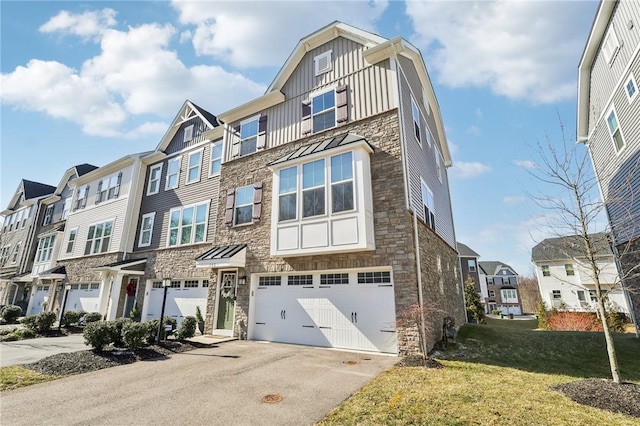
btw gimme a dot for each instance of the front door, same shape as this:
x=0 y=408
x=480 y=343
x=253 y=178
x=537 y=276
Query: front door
x=131 y=290
x=226 y=299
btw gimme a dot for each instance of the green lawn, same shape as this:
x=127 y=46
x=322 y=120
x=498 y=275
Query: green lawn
x=496 y=375
x=16 y=377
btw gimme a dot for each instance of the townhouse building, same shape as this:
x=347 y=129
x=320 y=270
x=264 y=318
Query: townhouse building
x=470 y=269
x=501 y=284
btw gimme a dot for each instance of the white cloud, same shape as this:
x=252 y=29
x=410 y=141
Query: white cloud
x=512 y=200
x=148 y=129
x=520 y=49
x=134 y=74
x=474 y=130
x=479 y=113
x=259 y=34
x=86 y=25
x=464 y=170
x=525 y=164
x=453 y=148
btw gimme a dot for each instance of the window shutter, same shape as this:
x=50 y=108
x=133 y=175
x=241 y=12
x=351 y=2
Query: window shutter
x=257 y=201
x=262 y=133
x=342 y=105
x=228 y=214
x=117 y=190
x=86 y=195
x=306 y=118
x=78 y=201
x=235 y=147
x=98 y=194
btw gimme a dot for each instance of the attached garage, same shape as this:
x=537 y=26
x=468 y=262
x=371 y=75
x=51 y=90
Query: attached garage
x=338 y=309
x=183 y=296
x=83 y=297
x=39 y=296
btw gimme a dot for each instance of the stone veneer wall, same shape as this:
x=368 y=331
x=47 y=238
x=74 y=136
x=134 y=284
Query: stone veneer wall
x=392 y=221
x=629 y=261
x=81 y=270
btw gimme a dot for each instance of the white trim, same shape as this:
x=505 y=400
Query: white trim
x=251 y=119
x=236 y=205
x=237 y=260
x=178 y=159
x=73 y=246
x=188 y=131
x=610 y=57
x=189 y=167
x=635 y=86
x=102 y=222
x=612 y=109
x=151 y=215
x=320 y=57
x=222 y=331
x=159 y=179
x=416 y=124
x=211 y=159
x=320 y=92
x=193 y=224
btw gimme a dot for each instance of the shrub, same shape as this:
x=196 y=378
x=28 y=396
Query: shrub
x=615 y=321
x=91 y=317
x=187 y=329
x=71 y=317
x=134 y=335
x=118 y=324
x=98 y=334
x=574 y=321
x=152 y=328
x=26 y=333
x=39 y=323
x=496 y=312
x=11 y=313
x=29 y=322
x=543 y=315
x=11 y=337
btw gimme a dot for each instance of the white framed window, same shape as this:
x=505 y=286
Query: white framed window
x=593 y=295
x=568 y=269
x=323 y=111
x=194 y=164
x=173 y=173
x=216 y=159
x=509 y=295
x=45 y=248
x=109 y=187
x=66 y=208
x=243 y=208
x=249 y=135
x=322 y=63
x=472 y=265
x=614 y=130
x=631 y=88
x=4 y=254
x=438 y=164
x=188 y=224
x=342 y=194
x=428 y=205
x=610 y=46
x=288 y=194
x=48 y=215
x=492 y=293
x=415 y=113
x=25 y=216
x=146 y=229
x=81 y=197
x=72 y=240
x=155 y=172
x=581 y=296
x=313 y=188
x=16 y=252
x=188 y=133
x=556 y=294
x=546 y=272
x=99 y=237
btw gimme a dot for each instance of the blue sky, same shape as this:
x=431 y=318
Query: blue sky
x=93 y=81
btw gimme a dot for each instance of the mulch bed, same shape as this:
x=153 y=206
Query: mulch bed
x=419 y=361
x=85 y=361
x=604 y=394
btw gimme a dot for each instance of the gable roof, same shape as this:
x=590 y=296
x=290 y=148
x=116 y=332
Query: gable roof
x=84 y=168
x=186 y=112
x=69 y=174
x=465 y=251
x=105 y=170
x=569 y=247
x=36 y=189
x=491 y=267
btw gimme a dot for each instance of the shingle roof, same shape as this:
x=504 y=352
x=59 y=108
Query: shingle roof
x=465 y=251
x=36 y=189
x=212 y=119
x=221 y=252
x=569 y=247
x=342 y=140
x=85 y=168
x=491 y=266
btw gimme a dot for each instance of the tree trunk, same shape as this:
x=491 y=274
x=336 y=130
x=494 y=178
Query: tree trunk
x=611 y=350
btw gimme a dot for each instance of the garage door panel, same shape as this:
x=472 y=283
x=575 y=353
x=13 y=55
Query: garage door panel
x=180 y=303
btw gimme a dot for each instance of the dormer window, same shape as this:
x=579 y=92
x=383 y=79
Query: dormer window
x=322 y=63
x=188 y=133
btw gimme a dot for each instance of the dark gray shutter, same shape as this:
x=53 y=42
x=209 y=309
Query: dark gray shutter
x=342 y=104
x=98 y=194
x=262 y=133
x=78 y=201
x=257 y=201
x=228 y=213
x=306 y=117
x=117 y=189
x=235 y=146
x=86 y=196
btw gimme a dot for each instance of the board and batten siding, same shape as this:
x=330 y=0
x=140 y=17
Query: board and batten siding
x=421 y=159
x=370 y=91
x=208 y=188
x=605 y=76
x=177 y=143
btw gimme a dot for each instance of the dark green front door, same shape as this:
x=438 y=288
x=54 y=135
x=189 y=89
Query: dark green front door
x=226 y=302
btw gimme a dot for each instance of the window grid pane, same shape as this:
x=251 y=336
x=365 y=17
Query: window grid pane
x=329 y=279
x=300 y=280
x=270 y=281
x=374 y=277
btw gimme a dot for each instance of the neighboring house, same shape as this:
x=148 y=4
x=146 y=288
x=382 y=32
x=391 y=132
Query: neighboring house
x=608 y=114
x=178 y=215
x=469 y=268
x=17 y=243
x=46 y=275
x=334 y=202
x=566 y=279
x=501 y=282
x=98 y=233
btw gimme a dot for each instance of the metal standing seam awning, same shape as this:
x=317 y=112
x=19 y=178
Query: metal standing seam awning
x=223 y=257
x=23 y=278
x=130 y=266
x=57 y=273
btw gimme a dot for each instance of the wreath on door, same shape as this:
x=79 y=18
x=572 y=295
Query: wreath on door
x=131 y=289
x=227 y=290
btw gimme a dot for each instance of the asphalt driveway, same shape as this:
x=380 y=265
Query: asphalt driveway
x=222 y=385
x=32 y=350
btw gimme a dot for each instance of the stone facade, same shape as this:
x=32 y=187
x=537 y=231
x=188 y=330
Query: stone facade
x=82 y=270
x=392 y=223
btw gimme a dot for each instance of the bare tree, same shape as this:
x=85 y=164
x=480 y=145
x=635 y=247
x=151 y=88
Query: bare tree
x=529 y=293
x=576 y=209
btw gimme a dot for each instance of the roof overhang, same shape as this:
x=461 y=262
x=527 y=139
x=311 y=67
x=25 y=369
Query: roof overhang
x=605 y=10
x=223 y=257
x=108 y=169
x=184 y=114
x=131 y=267
x=215 y=133
x=57 y=273
x=24 y=278
x=252 y=107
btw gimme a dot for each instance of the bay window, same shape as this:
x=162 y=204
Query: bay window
x=288 y=194
x=313 y=188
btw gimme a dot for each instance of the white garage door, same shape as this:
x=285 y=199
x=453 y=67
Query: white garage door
x=347 y=310
x=83 y=297
x=182 y=299
x=40 y=296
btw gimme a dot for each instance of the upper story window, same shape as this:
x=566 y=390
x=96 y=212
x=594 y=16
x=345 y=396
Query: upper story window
x=322 y=63
x=216 y=159
x=415 y=112
x=492 y=293
x=243 y=209
x=545 y=271
x=45 y=248
x=81 y=197
x=244 y=205
x=48 y=215
x=342 y=182
x=72 y=240
x=153 y=187
x=509 y=295
x=188 y=224
x=4 y=254
x=631 y=88
x=610 y=46
x=428 y=204
x=472 y=265
x=25 y=216
x=16 y=252
x=194 y=162
x=109 y=187
x=313 y=188
x=173 y=173
x=438 y=164
x=556 y=294
x=287 y=194
x=614 y=129
x=249 y=136
x=146 y=229
x=323 y=111
x=568 y=269
x=99 y=237
x=188 y=133
x=66 y=208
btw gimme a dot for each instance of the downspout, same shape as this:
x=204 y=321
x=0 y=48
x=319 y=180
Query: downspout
x=407 y=182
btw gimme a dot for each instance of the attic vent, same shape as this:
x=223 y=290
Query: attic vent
x=322 y=63
x=188 y=133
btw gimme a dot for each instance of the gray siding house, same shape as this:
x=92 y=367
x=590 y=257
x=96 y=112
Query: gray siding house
x=609 y=124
